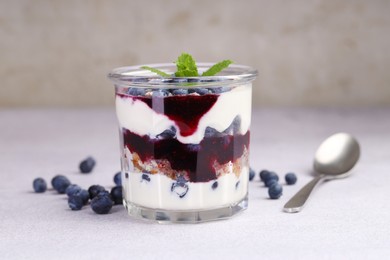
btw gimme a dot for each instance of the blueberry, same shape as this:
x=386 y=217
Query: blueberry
x=116 y=194
x=103 y=193
x=167 y=81
x=275 y=191
x=176 y=80
x=234 y=127
x=218 y=90
x=215 y=185
x=39 y=185
x=263 y=174
x=160 y=93
x=181 y=180
x=126 y=175
x=86 y=166
x=118 y=179
x=193 y=147
x=237 y=183
x=84 y=194
x=290 y=178
x=200 y=91
x=251 y=174
x=193 y=80
x=75 y=202
x=179 y=91
x=212 y=132
x=60 y=183
x=167 y=134
x=180 y=187
x=136 y=91
x=73 y=188
x=270 y=182
x=270 y=175
x=94 y=190
x=145 y=177
x=102 y=203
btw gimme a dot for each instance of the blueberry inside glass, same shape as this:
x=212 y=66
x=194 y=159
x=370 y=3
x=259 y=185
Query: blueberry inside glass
x=184 y=142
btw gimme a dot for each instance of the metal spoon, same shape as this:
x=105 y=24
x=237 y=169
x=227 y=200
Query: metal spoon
x=334 y=158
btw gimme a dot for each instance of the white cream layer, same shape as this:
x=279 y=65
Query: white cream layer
x=157 y=192
x=139 y=118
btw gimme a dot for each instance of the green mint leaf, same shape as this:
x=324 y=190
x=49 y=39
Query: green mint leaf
x=186 y=66
x=217 y=68
x=159 y=72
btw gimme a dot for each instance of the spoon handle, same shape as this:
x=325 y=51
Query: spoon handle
x=296 y=203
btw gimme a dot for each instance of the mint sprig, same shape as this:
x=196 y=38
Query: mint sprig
x=216 y=68
x=158 y=72
x=186 y=67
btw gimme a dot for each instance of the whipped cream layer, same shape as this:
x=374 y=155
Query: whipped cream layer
x=156 y=192
x=136 y=116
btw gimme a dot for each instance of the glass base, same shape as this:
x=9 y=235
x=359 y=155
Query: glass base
x=187 y=216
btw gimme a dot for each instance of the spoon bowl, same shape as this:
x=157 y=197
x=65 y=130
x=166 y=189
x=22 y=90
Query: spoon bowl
x=334 y=159
x=337 y=154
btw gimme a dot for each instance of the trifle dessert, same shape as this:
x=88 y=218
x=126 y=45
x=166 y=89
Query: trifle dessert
x=184 y=142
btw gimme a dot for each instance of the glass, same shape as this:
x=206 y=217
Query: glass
x=184 y=142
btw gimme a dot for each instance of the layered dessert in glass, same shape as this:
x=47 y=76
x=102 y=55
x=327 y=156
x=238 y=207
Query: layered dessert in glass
x=184 y=142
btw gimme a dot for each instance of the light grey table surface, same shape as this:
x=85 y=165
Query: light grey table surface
x=346 y=219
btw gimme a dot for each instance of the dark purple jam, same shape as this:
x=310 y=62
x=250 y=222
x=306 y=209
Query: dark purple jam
x=196 y=159
x=186 y=110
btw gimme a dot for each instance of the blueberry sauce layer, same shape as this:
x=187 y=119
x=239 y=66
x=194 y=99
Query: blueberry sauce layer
x=185 y=111
x=197 y=160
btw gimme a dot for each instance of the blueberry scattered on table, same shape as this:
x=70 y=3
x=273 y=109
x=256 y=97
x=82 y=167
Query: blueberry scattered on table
x=84 y=194
x=270 y=182
x=215 y=185
x=118 y=179
x=275 y=191
x=75 y=202
x=270 y=176
x=60 y=183
x=290 y=178
x=263 y=174
x=86 y=166
x=72 y=189
x=94 y=190
x=270 y=179
x=39 y=185
x=116 y=194
x=104 y=193
x=102 y=203
x=251 y=174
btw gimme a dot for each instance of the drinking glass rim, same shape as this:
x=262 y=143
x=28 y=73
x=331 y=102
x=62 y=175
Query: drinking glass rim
x=135 y=76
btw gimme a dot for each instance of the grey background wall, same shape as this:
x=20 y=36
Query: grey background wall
x=320 y=52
